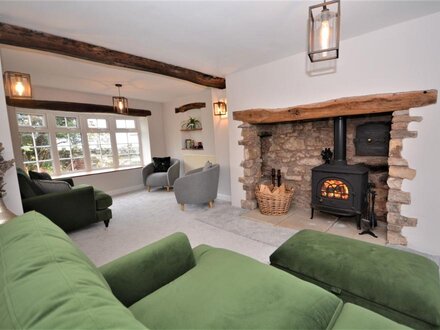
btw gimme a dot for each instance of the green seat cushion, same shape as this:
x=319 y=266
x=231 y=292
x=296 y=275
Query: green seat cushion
x=226 y=290
x=48 y=283
x=103 y=200
x=353 y=317
x=400 y=285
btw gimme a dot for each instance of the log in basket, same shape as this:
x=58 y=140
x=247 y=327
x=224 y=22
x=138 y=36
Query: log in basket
x=274 y=201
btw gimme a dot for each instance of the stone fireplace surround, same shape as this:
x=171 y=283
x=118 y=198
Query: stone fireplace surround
x=295 y=147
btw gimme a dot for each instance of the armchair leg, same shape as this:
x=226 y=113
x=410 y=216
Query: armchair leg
x=211 y=204
x=182 y=207
x=148 y=188
x=168 y=188
x=106 y=222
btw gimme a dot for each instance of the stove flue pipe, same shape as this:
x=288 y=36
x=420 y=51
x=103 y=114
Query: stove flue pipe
x=340 y=140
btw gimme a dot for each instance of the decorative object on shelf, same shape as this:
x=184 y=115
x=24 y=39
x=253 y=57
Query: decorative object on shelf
x=5 y=165
x=191 y=145
x=220 y=109
x=324 y=27
x=326 y=155
x=120 y=103
x=190 y=106
x=18 y=85
x=192 y=124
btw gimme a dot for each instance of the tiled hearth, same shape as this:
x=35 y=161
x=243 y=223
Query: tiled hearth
x=299 y=219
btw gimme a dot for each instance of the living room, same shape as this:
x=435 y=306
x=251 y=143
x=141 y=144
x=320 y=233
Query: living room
x=260 y=50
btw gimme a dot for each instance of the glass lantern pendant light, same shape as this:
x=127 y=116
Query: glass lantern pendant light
x=324 y=27
x=120 y=104
x=18 y=85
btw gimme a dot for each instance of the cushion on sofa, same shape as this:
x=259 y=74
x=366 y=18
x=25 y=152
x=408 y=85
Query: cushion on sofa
x=353 y=317
x=39 y=175
x=227 y=290
x=400 y=285
x=48 y=283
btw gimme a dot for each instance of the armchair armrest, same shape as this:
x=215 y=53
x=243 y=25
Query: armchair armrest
x=173 y=173
x=142 y=272
x=146 y=171
x=69 y=210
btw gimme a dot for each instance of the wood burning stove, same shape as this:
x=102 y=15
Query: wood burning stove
x=338 y=188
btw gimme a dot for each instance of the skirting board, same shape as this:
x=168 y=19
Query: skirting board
x=125 y=190
x=224 y=197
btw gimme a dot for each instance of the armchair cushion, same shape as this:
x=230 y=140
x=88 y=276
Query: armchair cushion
x=39 y=175
x=161 y=164
x=51 y=186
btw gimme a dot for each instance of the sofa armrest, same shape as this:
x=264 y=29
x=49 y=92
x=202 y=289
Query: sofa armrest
x=69 y=210
x=136 y=275
x=146 y=171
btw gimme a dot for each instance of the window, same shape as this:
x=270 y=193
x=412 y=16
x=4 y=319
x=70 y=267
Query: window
x=128 y=149
x=100 y=150
x=63 y=142
x=35 y=148
x=70 y=152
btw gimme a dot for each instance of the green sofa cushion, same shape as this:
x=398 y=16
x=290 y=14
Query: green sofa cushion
x=227 y=290
x=400 y=285
x=47 y=283
x=353 y=317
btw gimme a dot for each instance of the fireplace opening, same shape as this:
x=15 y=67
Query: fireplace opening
x=339 y=188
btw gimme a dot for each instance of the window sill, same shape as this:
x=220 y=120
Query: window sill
x=94 y=172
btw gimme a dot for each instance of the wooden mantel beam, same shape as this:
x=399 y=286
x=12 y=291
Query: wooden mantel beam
x=190 y=106
x=346 y=106
x=72 y=107
x=22 y=37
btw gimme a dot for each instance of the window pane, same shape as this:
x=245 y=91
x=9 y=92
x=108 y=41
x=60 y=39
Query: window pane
x=45 y=167
x=92 y=123
x=128 y=148
x=72 y=122
x=102 y=123
x=31 y=167
x=43 y=153
x=120 y=123
x=70 y=151
x=37 y=121
x=41 y=139
x=28 y=154
x=133 y=138
x=26 y=139
x=130 y=123
x=23 y=119
x=121 y=138
x=100 y=150
x=78 y=164
x=60 y=121
x=66 y=165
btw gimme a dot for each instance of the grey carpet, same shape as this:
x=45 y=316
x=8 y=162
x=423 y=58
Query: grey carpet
x=141 y=218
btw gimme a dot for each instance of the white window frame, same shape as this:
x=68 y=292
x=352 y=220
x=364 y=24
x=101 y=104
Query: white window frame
x=52 y=129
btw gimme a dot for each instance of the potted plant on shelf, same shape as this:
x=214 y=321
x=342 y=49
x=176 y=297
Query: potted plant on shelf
x=5 y=165
x=192 y=123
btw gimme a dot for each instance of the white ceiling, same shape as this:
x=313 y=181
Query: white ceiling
x=214 y=37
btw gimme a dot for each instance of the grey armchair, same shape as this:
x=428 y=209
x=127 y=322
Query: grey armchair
x=161 y=179
x=198 y=186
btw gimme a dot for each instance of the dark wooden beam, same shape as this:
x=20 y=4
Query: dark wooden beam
x=190 y=106
x=72 y=107
x=22 y=37
x=346 y=106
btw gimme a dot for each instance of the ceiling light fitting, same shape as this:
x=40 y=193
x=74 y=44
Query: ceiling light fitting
x=120 y=104
x=18 y=85
x=220 y=109
x=324 y=28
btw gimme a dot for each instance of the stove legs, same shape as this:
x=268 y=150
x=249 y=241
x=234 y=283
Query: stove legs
x=358 y=221
x=313 y=210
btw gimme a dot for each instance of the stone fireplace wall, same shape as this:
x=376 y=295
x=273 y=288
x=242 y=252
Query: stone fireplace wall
x=295 y=148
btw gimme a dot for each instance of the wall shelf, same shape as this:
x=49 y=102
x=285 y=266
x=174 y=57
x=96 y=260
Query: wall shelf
x=192 y=149
x=190 y=129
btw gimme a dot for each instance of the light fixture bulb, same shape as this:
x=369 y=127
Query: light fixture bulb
x=19 y=88
x=120 y=105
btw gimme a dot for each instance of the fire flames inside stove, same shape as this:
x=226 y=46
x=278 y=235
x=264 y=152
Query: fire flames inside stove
x=336 y=189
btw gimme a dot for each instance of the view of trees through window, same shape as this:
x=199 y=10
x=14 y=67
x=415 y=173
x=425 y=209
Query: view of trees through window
x=77 y=142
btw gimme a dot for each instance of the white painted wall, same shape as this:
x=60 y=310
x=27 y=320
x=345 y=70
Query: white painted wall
x=402 y=57
x=12 y=198
x=214 y=134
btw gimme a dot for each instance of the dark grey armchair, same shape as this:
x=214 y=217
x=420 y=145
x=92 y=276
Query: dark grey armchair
x=161 y=179
x=198 y=186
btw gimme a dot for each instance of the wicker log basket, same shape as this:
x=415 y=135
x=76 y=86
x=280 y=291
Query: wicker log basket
x=273 y=201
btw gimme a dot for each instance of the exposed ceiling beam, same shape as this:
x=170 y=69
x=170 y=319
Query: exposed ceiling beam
x=22 y=37
x=72 y=107
x=346 y=106
x=190 y=106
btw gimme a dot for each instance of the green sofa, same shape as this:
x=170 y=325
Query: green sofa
x=402 y=286
x=75 y=208
x=46 y=282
